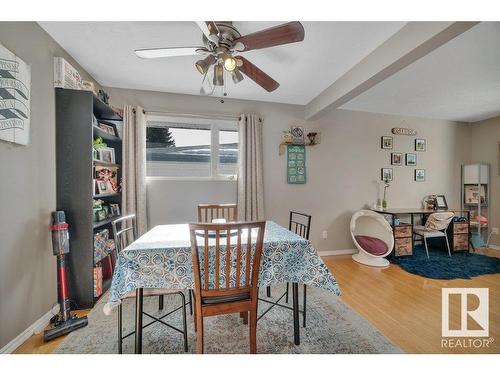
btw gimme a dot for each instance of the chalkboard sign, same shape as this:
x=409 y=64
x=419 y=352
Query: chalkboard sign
x=296 y=164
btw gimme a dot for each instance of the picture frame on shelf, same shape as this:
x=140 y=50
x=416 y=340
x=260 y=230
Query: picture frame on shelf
x=420 y=144
x=386 y=174
x=104 y=187
x=107 y=128
x=411 y=159
x=100 y=215
x=107 y=155
x=419 y=175
x=440 y=202
x=386 y=142
x=115 y=209
x=396 y=158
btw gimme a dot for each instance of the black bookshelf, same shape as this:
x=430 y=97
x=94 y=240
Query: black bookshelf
x=75 y=173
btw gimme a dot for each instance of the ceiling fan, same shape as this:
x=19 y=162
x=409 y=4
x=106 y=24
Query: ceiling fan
x=222 y=45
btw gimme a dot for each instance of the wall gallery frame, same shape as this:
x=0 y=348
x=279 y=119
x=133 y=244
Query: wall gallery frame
x=420 y=175
x=411 y=159
x=396 y=158
x=420 y=144
x=386 y=142
x=15 y=98
x=386 y=174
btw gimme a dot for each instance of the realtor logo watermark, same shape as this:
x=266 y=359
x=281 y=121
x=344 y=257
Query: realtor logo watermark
x=472 y=308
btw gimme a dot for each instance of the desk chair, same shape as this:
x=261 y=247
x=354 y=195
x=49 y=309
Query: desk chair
x=124 y=231
x=435 y=227
x=228 y=282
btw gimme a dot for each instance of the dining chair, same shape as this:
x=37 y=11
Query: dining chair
x=435 y=227
x=124 y=230
x=226 y=263
x=300 y=224
x=209 y=212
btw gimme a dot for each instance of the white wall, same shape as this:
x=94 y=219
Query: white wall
x=485 y=148
x=343 y=172
x=28 y=190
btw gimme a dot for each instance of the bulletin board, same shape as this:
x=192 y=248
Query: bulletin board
x=296 y=164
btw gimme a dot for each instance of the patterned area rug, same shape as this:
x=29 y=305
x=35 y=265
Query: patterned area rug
x=332 y=327
x=439 y=265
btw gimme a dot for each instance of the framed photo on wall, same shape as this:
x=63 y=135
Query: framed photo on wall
x=411 y=159
x=386 y=142
x=420 y=175
x=420 y=144
x=396 y=158
x=386 y=174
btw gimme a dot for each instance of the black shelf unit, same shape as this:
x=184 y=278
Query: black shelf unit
x=75 y=172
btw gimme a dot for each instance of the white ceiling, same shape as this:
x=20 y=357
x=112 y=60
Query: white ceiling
x=304 y=70
x=459 y=81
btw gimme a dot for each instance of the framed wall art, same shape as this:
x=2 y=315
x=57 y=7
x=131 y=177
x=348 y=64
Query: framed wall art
x=15 y=98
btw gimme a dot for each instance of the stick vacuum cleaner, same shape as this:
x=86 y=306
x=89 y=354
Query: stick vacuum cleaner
x=64 y=322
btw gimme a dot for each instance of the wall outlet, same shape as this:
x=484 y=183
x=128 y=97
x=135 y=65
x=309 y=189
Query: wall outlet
x=494 y=231
x=325 y=234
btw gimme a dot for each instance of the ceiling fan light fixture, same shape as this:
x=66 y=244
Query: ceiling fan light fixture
x=218 y=75
x=204 y=64
x=237 y=76
x=229 y=62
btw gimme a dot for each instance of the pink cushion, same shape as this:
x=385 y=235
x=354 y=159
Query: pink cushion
x=372 y=245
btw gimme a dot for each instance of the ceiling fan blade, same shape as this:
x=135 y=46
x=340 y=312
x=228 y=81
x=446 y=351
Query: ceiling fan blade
x=283 y=34
x=153 y=53
x=257 y=75
x=210 y=30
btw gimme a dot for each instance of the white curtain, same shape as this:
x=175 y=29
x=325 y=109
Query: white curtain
x=134 y=166
x=250 y=169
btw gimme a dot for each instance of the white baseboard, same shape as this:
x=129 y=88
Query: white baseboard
x=337 y=252
x=36 y=327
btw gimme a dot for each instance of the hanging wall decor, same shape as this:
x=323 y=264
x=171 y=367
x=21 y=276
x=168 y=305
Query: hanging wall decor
x=296 y=164
x=15 y=90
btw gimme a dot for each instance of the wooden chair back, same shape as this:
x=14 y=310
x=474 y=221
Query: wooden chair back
x=300 y=224
x=208 y=212
x=226 y=258
x=124 y=231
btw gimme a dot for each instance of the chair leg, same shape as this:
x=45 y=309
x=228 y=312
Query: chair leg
x=268 y=290
x=160 y=302
x=304 y=308
x=120 y=340
x=253 y=331
x=426 y=248
x=199 y=332
x=447 y=245
x=286 y=293
x=190 y=302
x=184 y=321
x=244 y=316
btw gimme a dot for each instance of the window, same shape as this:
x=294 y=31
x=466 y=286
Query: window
x=179 y=148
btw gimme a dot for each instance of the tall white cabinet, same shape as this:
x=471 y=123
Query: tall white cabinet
x=476 y=198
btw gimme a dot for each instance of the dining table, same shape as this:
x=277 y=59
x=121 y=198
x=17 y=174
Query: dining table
x=161 y=258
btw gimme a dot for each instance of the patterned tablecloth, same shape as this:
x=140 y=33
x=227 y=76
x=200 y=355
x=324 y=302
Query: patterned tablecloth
x=161 y=258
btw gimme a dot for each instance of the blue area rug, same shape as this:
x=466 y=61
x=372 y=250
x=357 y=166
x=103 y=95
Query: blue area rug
x=461 y=265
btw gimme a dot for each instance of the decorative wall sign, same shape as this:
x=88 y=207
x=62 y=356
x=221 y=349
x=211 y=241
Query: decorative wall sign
x=296 y=164
x=403 y=131
x=15 y=91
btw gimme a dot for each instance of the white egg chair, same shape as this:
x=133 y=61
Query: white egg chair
x=370 y=227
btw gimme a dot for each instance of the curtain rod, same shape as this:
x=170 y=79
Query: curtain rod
x=196 y=115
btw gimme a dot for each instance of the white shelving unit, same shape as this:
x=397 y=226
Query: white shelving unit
x=476 y=198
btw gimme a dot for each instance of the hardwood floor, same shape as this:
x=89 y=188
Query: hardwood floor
x=404 y=307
